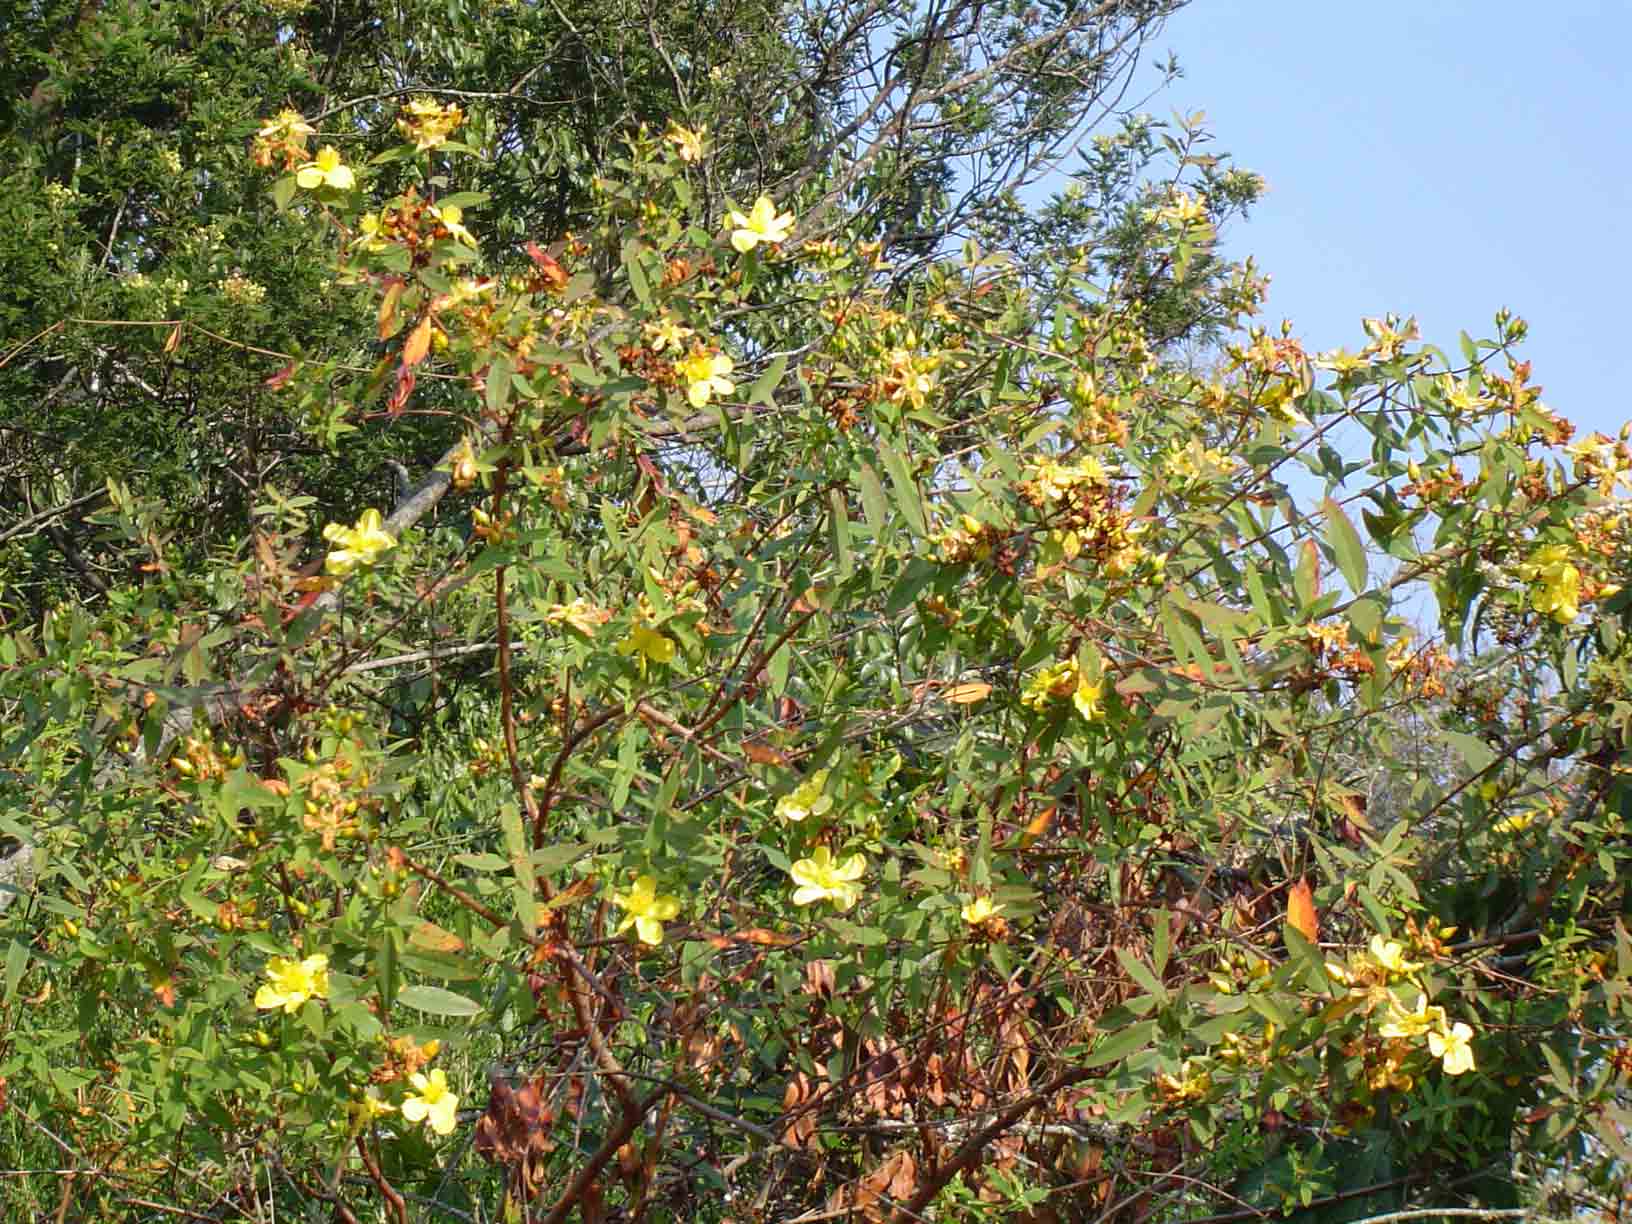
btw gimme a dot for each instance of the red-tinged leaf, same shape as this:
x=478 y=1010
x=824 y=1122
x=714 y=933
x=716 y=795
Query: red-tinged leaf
x=399 y=396
x=550 y=272
x=418 y=343
x=282 y=376
x=1300 y=911
x=764 y=754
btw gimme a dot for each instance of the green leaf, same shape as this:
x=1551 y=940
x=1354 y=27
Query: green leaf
x=764 y=389
x=638 y=281
x=16 y=965
x=435 y=1001
x=1117 y=1046
x=1346 y=546
x=1139 y=972
x=872 y=501
x=283 y=191
x=524 y=886
x=907 y=498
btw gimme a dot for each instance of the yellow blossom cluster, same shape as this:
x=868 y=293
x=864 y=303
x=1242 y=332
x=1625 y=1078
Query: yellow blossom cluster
x=282 y=140
x=1450 y=1043
x=911 y=377
x=1062 y=681
x=687 y=142
x=970 y=540
x=427 y=124
x=1182 y=209
x=1555 y=582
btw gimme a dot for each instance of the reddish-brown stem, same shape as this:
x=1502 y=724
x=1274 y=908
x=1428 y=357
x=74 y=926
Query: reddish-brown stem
x=398 y=1203
x=626 y=1127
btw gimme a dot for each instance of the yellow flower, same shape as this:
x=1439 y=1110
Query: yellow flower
x=1055 y=680
x=1451 y=1047
x=287 y=124
x=705 y=375
x=1087 y=699
x=1391 y=956
x=1058 y=681
x=666 y=334
x=807 y=799
x=979 y=910
x=1558 y=590
x=433 y=1103
x=645 y=910
x=326 y=170
x=452 y=218
x=762 y=224
x=359 y=545
x=1517 y=822
x=1412 y=1024
x=821 y=879
x=648 y=643
x=687 y=143
x=370 y=1107
x=427 y=124
x=580 y=614
x=293 y=982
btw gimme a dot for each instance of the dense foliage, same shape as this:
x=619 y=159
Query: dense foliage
x=598 y=618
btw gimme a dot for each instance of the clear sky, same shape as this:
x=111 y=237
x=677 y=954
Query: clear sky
x=1441 y=158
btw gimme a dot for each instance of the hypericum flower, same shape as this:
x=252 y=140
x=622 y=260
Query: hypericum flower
x=1183 y=1087
x=821 y=879
x=326 y=170
x=645 y=910
x=666 y=334
x=705 y=375
x=1087 y=699
x=293 y=982
x=649 y=643
x=1391 y=956
x=687 y=143
x=1412 y=1024
x=452 y=218
x=1517 y=822
x=1558 y=583
x=809 y=798
x=979 y=911
x=370 y=1107
x=1451 y=1047
x=762 y=224
x=1060 y=680
x=286 y=124
x=433 y=1102
x=359 y=545
x=427 y=124
x=580 y=614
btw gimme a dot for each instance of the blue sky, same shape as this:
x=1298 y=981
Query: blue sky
x=1441 y=158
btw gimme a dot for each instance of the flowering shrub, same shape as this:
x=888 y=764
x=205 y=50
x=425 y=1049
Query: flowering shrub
x=1041 y=767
